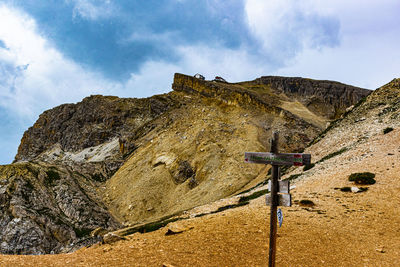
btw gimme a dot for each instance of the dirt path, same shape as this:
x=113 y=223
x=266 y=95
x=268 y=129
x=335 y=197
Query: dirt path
x=342 y=229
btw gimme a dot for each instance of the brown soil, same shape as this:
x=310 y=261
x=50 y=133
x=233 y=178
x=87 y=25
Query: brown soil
x=342 y=229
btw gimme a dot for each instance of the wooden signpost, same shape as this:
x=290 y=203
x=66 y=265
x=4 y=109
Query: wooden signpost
x=280 y=190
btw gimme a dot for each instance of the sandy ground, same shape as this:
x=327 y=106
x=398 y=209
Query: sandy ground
x=342 y=229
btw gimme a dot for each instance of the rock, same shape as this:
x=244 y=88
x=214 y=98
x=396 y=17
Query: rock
x=45 y=208
x=355 y=189
x=112 y=238
x=96 y=120
x=175 y=229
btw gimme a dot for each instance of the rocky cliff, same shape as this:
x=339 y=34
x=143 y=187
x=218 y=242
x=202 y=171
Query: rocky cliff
x=107 y=161
x=328 y=98
x=47 y=209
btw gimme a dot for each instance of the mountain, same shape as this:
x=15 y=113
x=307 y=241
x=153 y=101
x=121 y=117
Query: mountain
x=106 y=162
x=332 y=221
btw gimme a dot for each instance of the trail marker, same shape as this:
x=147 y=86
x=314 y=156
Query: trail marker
x=280 y=217
x=296 y=159
x=284 y=200
x=284 y=186
x=279 y=189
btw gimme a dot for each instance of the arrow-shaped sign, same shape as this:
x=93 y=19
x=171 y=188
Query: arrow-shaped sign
x=297 y=159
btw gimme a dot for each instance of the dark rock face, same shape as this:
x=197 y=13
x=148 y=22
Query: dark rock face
x=325 y=97
x=89 y=123
x=44 y=209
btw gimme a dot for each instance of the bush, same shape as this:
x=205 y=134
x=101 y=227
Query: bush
x=253 y=196
x=334 y=154
x=387 y=130
x=362 y=178
x=308 y=166
x=294 y=177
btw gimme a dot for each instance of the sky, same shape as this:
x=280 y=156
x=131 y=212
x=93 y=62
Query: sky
x=60 y=51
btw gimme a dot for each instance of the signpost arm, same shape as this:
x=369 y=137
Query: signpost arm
x=274 y=203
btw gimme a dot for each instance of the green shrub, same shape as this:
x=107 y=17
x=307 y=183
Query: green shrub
x=227 y=207
x=294 y=176
x=308 y=166
x=387 y=130
x=362 y=178
x=253 y=196
x=336 y=153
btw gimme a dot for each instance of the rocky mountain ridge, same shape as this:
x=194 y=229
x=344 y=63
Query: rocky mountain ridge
x=331 y=222
x=127 y=161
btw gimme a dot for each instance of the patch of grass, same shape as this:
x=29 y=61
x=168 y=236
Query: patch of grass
x=258 y=185
x=253 y=196
x=362 y=178
x=153 y=226
x=308 y=166
x=387 y=130
x=150 y=227
x=334 y=154
x=294 y=176
x=284 y=169
x=227 y=207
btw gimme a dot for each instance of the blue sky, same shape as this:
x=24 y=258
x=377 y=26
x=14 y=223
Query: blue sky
x=59 y=51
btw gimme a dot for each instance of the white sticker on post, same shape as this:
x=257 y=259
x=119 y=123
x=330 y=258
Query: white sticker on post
x=280 y=217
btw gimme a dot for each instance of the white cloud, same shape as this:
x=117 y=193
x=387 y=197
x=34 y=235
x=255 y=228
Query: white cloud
x=285 y=27
x=365 y=54
x=92 y=9
x=234 y=65
x=34 y=74
x=359 y=61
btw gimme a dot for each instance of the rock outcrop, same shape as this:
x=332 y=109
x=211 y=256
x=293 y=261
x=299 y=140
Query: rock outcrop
x=325 y=98
x=90 y=123
x=48 y=209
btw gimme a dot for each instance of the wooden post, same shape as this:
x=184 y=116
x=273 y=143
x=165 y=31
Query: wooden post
x=276 y=186
x=274 y=203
